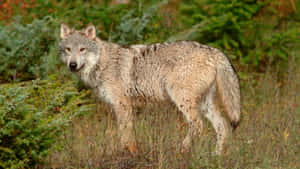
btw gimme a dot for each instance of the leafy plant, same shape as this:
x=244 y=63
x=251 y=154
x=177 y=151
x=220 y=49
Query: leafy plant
x=234 y=27
x=135 y=24
x=22 y=48
x=220 y=23
x=32 y=116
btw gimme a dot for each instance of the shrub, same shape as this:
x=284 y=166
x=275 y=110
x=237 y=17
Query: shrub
x=234 y=27
x=138 y=24
x=32 y=116
x=23 y=48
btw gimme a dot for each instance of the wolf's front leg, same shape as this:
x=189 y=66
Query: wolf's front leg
x=125 y=118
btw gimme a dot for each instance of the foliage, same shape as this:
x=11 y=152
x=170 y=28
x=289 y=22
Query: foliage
x=122 y=23
x=32 y=116
x=272 y=48
x=137 y=23
x=23 y=48
x=13 y=7
x=234 y=27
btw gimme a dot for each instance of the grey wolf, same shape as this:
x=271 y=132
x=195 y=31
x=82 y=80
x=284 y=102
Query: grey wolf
x=187 y=73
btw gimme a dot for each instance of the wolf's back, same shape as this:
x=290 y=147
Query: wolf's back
x=229 y=90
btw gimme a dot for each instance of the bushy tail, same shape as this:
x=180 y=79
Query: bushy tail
x=229 y=91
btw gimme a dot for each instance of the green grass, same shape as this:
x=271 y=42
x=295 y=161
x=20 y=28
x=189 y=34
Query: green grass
x=268 y=136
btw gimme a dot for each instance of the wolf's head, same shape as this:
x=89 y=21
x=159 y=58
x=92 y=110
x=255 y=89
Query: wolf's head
x=78 y=49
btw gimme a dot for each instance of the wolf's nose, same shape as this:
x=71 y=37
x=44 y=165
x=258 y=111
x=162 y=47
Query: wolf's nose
x=73 y=65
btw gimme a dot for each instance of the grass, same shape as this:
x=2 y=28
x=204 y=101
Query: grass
x=268 y=136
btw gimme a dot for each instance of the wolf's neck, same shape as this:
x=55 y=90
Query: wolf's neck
x=87 y=75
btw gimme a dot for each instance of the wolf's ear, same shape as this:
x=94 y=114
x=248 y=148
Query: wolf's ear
x=90 y=31
x=65 y=30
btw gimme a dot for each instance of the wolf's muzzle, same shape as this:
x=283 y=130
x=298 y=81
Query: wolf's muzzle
x=73 y=66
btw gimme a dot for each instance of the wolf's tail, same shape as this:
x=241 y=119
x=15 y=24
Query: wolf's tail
x=229 y=90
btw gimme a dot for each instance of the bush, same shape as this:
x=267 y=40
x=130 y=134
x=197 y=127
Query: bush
x=137 y=25
x=24 y=48
x=234 y=27
x=32 y=117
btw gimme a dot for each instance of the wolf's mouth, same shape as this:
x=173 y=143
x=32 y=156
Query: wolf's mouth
x=77 y=70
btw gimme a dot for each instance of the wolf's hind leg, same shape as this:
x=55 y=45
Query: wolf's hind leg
x=187 y=104
x=209 y=110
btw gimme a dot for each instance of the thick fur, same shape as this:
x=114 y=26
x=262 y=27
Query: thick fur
x=187 y=73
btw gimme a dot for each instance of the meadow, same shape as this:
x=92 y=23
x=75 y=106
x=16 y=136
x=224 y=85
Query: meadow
x=49 y=119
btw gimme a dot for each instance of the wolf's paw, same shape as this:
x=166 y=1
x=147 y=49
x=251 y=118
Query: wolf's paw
x=130 y=146
x=186 y=145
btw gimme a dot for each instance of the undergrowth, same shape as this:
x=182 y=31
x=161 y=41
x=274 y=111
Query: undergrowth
x=32 y=116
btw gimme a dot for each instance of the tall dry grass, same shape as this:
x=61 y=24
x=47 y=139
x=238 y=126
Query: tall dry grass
x=268 y=136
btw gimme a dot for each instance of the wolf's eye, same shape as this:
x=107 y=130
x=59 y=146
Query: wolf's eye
x=82 y=49
x=68 y=49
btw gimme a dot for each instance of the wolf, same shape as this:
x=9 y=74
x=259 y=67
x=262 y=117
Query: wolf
x=191 y=75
